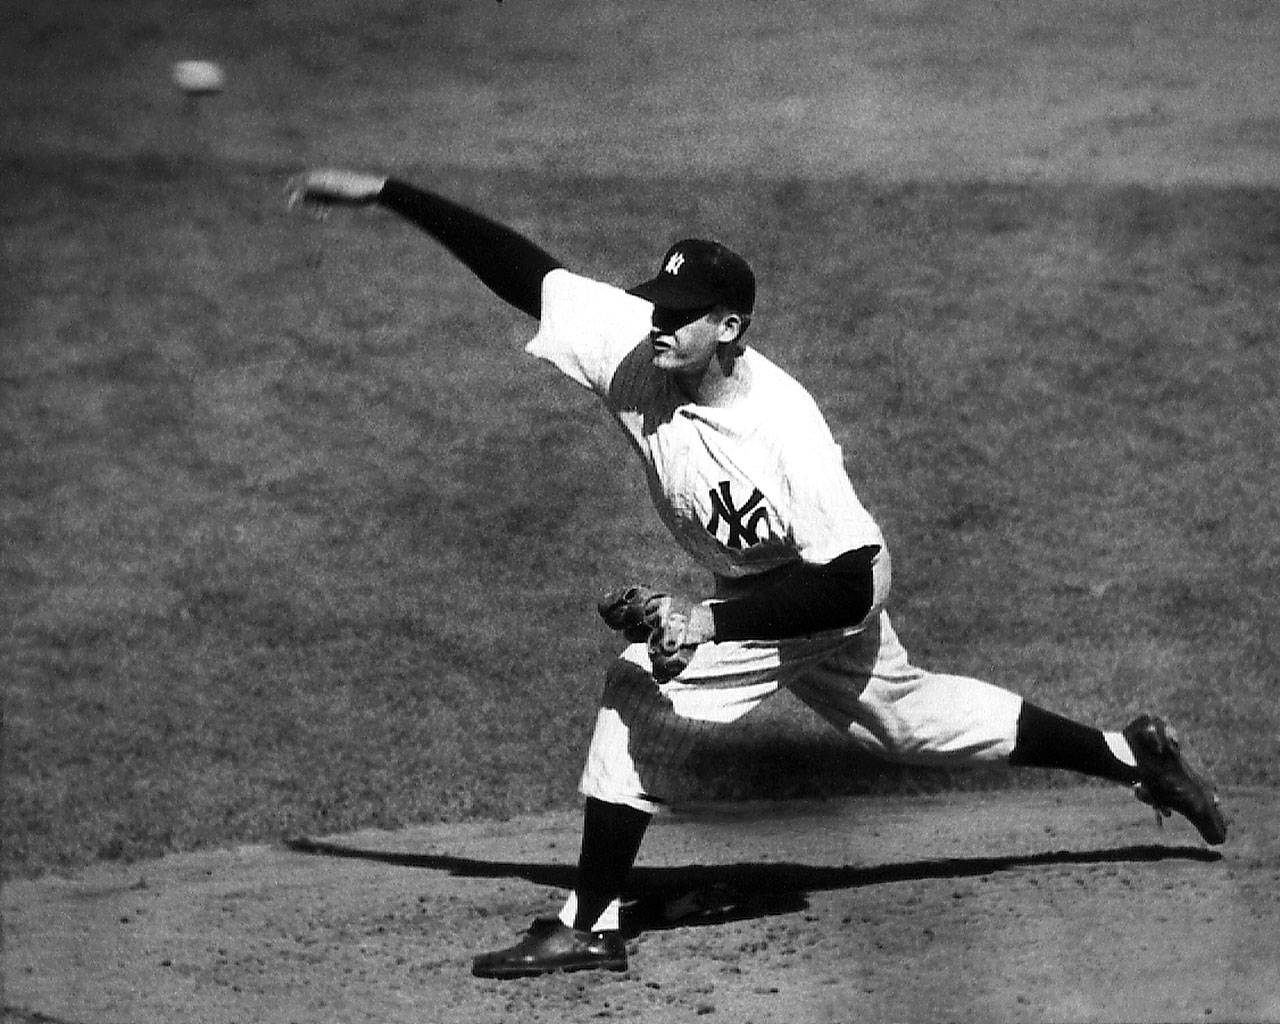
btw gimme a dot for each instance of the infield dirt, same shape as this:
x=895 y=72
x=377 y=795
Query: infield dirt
x=1063 y=906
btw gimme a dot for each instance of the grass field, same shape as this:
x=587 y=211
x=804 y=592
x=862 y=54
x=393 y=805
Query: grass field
x=295 y=539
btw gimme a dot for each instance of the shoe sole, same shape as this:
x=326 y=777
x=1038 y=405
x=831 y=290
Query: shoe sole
x=503 y=974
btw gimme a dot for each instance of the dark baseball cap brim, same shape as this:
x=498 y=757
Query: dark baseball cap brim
x=667 y=293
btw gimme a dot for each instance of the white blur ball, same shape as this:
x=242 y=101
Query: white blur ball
x=198 y=77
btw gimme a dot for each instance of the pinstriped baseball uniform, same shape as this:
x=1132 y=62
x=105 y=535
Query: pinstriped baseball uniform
x=753 y=486
x=742 y=501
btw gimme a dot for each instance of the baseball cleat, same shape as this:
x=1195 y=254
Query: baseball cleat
x=1167 y=783
x=549 y=946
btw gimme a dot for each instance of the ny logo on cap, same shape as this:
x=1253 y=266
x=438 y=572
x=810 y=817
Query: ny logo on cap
x=674 y=263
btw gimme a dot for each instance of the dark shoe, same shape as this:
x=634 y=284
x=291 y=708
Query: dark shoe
x=1167 y=783
x=550 y=945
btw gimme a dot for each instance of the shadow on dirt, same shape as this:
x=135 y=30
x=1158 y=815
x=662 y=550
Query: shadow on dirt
x=702 y=894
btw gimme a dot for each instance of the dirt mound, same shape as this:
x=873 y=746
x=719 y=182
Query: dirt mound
x=1062 y=905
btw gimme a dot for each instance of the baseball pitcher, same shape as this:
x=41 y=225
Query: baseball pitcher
x=744 y=472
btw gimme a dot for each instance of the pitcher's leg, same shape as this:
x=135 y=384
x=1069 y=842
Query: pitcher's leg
x=644 y=732
x=903 y=713
x=894 y=710
x=643 y=736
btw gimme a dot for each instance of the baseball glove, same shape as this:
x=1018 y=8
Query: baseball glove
x=661 y=621
x=623 y=610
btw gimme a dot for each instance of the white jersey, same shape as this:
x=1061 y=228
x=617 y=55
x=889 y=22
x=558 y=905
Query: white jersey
x=743 y=488
x=746 y=488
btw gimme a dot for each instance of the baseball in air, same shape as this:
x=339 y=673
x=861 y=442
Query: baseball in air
x=198 y=77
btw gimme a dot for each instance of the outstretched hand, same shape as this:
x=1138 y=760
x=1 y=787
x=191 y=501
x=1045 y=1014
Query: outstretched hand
x=330 y=186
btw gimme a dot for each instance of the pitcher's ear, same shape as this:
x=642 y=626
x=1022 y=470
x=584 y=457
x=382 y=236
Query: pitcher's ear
x=732 y=327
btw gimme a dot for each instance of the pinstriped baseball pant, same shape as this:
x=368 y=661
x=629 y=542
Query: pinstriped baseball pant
x=863 y=684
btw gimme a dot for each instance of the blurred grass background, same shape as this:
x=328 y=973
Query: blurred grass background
x=295 y=539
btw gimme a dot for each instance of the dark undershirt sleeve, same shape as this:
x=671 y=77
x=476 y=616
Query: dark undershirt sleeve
x=504 y=260
x=804 y=600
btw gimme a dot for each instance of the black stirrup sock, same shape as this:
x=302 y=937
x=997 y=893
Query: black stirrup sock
x=611 y=836
x=1046 y=740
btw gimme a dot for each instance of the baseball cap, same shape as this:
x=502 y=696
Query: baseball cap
x=697 y=273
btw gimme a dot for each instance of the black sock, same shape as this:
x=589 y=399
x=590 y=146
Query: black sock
x=611 y=836
x=1046 y=740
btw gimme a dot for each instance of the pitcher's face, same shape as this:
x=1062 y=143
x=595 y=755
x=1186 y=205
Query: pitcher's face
x=686 y=341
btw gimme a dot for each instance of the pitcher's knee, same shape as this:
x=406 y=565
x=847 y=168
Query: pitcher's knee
x=627 y=686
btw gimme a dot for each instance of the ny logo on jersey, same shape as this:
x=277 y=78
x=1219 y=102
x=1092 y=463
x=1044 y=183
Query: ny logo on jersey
x=743 y=521
x=674 y=263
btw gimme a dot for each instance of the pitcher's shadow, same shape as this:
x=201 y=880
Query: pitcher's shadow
x=658 y=898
